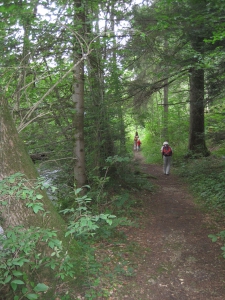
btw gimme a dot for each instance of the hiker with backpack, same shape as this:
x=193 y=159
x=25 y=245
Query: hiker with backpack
x=138 y=144
x=167 y=152
x=136 y=137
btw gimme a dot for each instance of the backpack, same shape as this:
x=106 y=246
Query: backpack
x=167 y=151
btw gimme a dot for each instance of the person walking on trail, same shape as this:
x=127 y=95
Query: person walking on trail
x=136 y=137
x=138 y=144
x=167 y=152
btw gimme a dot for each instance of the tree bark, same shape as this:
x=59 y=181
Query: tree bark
x=78 y=99
x=14 y=158
x=197 y=128
x=166 y=110
x=197 y=145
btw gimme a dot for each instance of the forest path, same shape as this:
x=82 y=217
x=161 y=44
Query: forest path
x=176 y=259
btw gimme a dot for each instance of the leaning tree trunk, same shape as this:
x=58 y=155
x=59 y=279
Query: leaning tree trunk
x=197 y=128
x=14 y=158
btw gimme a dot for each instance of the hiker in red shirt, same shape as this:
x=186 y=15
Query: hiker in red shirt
x=138 y=144
x=167 y=152
x=136 y=137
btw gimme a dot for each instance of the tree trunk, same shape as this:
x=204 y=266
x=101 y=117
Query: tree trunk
x=116 y=76
x=197 y=145
x=78 y=99
x=165 y=101
x=14 y=158
x=197 y=129
x=165 y=115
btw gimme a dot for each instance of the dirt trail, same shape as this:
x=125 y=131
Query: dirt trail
x=178 y=260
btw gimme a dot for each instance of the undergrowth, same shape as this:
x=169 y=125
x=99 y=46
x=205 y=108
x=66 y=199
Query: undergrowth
x=92 y=222
x=206 y=178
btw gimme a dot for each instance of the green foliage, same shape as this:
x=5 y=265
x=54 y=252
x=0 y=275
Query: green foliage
x=219 y=151
x=22 y=189
x=127 y=174
x=215 y=127
x=206 y=177
x=40 y=52
x=219 y=236
x=208 y=185
x=83 y=223
x=112 y=160
x=26 y=251
x=92 y=269
x=151 y=150
x=153 y=146
x=115 y=173
x=119 y=166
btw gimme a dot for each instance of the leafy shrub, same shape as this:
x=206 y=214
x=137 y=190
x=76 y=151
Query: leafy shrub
x=83 y=223
x=25 y=252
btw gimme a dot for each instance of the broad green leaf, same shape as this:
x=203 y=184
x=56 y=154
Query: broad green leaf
x=17 y=281
x=77 y=191
x=17 y=273
x=8 y=278
x=213 y=237
x=11 y=180
x=41 y=287
x=109 y=221
x=13 y=285
x=24 y=290
x=37 y=207
x=6 y=273
x=51 y=244
x=20 y=262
